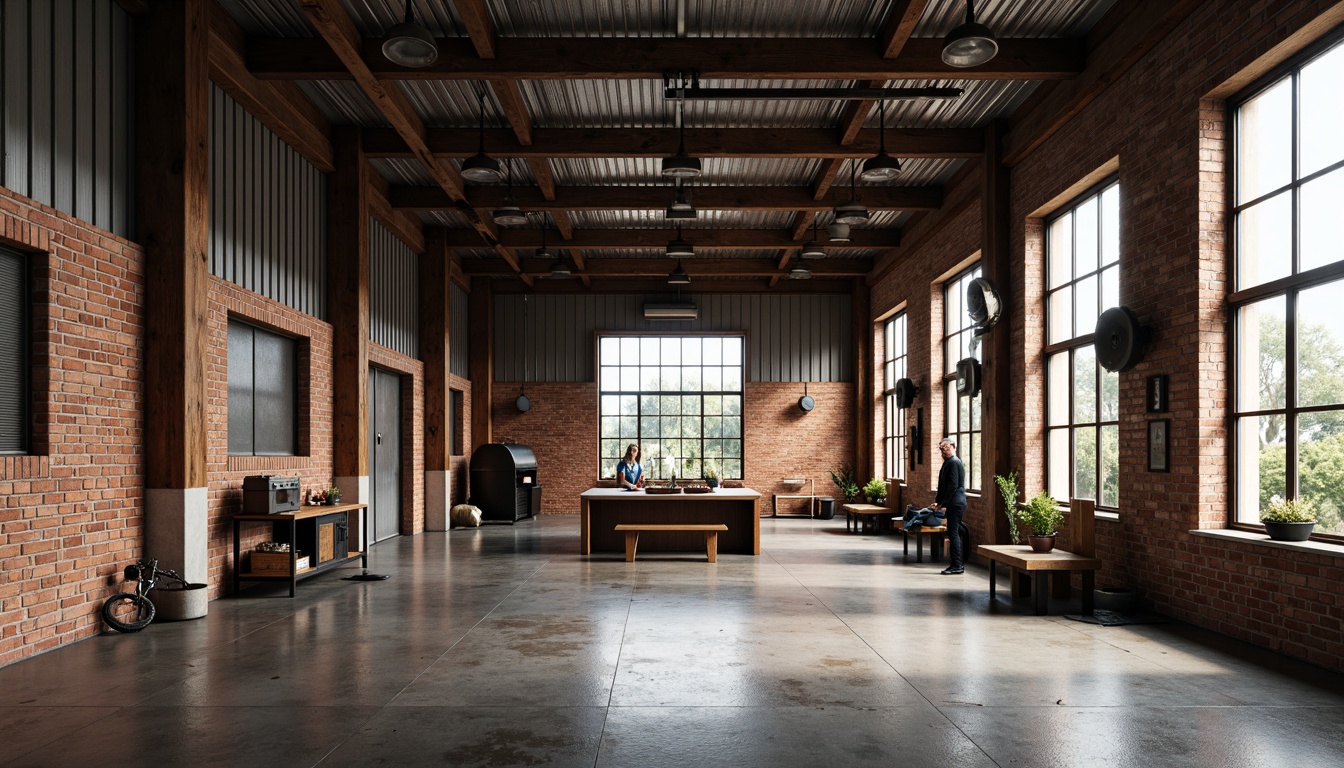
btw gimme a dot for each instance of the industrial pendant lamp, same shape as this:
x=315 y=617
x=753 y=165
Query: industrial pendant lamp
x=838 y=232
x=509 y=214
x=813 y=249
x=678 y=248
x=970 y=44
x=681 y=208
x=681 y=165
x=852 y=212
x=881 y=167
x=800 y=272
x=410 y=44
x=481 y=167
x=678 y=276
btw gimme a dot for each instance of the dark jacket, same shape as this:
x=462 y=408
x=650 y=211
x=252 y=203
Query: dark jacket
x=952 y=484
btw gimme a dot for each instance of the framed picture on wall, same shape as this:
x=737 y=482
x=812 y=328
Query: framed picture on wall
x=1157 y=445
x=1157 y=394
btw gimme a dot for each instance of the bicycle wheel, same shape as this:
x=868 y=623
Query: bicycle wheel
x=128 y=612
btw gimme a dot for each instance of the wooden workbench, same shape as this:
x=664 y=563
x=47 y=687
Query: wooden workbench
x=602 y=509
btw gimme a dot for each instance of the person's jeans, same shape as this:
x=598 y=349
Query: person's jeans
x=956 y=544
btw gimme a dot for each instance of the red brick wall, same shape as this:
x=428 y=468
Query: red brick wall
x=72 y=514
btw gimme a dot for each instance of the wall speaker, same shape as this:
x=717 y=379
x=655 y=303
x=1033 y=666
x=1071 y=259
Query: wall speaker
x=905 y=393
x=968 y=377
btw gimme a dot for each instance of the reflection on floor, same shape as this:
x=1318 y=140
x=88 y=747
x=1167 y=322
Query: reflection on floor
x=501 y=646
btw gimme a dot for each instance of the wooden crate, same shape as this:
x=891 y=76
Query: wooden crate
x=276 y=562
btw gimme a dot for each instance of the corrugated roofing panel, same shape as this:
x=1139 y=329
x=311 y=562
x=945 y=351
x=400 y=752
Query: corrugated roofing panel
x=403 y=171
x=268 y=18
x=657 y=220
x=703 y=18
x=452 y=103
x=449 y=219
x=374 y=17
x=644 y=171
x=343 y=103
x=1015 y=18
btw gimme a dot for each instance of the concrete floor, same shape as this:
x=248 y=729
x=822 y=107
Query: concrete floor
x=501 y=646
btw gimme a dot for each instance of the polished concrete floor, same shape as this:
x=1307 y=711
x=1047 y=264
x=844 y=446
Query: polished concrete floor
x=501 y=646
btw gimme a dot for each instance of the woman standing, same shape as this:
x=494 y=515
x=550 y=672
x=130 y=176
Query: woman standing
x=629 y=472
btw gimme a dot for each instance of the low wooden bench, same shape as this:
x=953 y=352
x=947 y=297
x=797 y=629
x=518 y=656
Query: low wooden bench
x=1056 y=563
x=711 y=531
x=862 y=518
x=935 y=535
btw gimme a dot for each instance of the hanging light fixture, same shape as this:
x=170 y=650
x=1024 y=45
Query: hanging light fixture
x=838 y=232
x=681 y=165
x=881 y=167
x=560 y=269
x=813 y=249
x=678 y=248
x=681 y=208
x=410 y=44
x=800 y=272
x=852 y=212
x=509 y=214
x=481 y=167
x=543 y=252
x=678 y=276
x=970 y=44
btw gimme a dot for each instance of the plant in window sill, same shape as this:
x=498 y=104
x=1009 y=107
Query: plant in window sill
x=1289 y=519
x=1043 y=516
x=711 y=475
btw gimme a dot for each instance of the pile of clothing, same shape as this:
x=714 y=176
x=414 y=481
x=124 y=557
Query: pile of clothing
x=918 y=517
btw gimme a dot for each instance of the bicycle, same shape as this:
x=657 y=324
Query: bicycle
x=133 y=611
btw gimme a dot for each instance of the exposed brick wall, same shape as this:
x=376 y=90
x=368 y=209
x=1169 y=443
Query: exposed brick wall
x=72 y=514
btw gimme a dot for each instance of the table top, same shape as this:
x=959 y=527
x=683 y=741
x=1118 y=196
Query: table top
x=624 y=495
x=304 y=512
x=865 y=509
x=1022 y=556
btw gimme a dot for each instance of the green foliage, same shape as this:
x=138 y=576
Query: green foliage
x=1289 y=511
x=844 y=480
x=710 y=472
x=1320 y=479
x=1042 y=514
x=875 y=489
x=1008 y=490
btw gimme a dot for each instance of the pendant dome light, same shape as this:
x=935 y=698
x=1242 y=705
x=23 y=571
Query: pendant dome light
x=838 y=232
x=509 y=214
x=681 y=165
x=681 y=208
x=678 y=276
x=813 y=249
x=410 y=44
x=881 y=167
x=481 y=167
x=800 y=272
x=852 y=212
x=678 y=248
x=970 y=44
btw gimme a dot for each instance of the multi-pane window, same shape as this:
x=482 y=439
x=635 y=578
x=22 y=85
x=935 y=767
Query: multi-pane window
x=14 y=352
x=1288 y=397
x=894 y=369
x=263 y=392
x=1082 y=278
x=961 y=412
x=679 y=398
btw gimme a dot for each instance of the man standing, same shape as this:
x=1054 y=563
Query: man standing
x=951 y=501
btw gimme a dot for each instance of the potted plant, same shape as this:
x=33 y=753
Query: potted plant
x=1008 y=490
x=876 y=491
x=711 y=476
x=1289 y=519
x=1043 y=516
x=333 y=496
x=844 y=480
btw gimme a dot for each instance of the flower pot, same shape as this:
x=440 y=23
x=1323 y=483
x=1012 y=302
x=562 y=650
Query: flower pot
x=1041 y=543
x=172 y=602
x=712 y=483
x=333 y=501
x=1289 y=531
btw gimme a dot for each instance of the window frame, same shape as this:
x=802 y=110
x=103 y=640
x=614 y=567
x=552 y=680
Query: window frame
x=607 y=467
x=1081 y=340
x=296 y=399
x=24 y=353
x=966 y=438
x=895 y=429
x=1288 y=288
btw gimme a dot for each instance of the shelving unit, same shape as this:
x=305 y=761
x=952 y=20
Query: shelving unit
x=285 y=525
x=811 y=496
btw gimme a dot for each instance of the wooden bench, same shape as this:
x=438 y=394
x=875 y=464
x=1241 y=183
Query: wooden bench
x=1057 y=563
x=862 y=518
x=935 y=535
x=711 y=531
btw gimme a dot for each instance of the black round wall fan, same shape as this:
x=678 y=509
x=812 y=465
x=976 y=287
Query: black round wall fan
x=524 y=403
x=905 y=393
x=1120 y=341
x=806 y=402
x=983 y=304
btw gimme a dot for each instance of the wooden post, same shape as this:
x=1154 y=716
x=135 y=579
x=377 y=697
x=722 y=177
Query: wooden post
x=481 y=360
x=996 y=402
x=862 y=333
x=348 y=312
x=435 y=321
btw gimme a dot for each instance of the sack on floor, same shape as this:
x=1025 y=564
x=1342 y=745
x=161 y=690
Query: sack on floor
x=465 y=516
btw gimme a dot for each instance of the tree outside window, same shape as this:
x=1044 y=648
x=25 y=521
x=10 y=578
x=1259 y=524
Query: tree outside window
x=894 y=439
x=961 y=413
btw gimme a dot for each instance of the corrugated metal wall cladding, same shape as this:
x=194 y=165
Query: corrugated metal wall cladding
x=342 y=102
x=789 y=338
x=268 y=211
x=1015 y=18
x=394 y=293
x=65 y=88
x=460 y=332
x=704 y=18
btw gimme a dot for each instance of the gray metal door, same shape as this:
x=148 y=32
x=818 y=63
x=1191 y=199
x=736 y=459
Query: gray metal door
x=385 y=453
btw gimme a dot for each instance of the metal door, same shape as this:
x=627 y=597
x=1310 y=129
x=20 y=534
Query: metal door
x=384 y=453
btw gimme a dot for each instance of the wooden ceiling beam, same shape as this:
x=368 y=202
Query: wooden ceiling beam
x=564 y=58
x=658 y=284
x=701 y=142
x=801 y=221
x=724 y=239
x=901 y=21
x=605 y=268
x=476 y=20
x=404 y=225
x=655 y=198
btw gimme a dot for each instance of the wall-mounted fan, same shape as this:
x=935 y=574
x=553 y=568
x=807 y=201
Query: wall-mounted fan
x=905 y=393
x=806 y=402
x=983 y=305
x=1120 y=341
x=968 y=377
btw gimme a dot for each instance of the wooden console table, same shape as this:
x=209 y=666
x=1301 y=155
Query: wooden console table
x=285 y=525
x=1039 y=565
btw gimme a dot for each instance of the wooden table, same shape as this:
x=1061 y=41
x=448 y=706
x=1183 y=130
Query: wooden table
x=285 y=528
x=860 y=518
x=602 y=509
x=1039 y=565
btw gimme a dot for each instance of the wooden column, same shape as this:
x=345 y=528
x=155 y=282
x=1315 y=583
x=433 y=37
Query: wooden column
x=348 y=312
x=172 y=208
x=996 y=397
x=435 y=338
x=862 y=333
x=481 y=360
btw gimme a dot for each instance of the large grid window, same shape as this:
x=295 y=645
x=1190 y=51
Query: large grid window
x=960 y=342
x=1288 y=172
x=894 y=369
x=678 y=397
x=14 y=351
x=1082 y=278
x=263 y=392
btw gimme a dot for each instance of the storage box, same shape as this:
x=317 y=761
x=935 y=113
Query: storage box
x=276 y=562
x=327 y=538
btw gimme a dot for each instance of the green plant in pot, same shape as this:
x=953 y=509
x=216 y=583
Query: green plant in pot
x=844 y=480
x=1008 y=489
x=1289 y=519
x=333 y=496
x=876 y=491
x=711 y=475
x=1043 y=515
